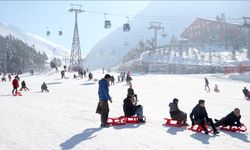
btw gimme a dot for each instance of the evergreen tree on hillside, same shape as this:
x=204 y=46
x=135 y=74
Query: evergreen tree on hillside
x=17 y=55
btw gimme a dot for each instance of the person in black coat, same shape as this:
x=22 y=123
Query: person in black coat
x=44 y=87
x=130 y=109
x=199 y=116
x=176 y=113
x=131 y=92
x=232 y=119
x=24 y=86
x=246 y=93
x=63 y=74
x=207 y=85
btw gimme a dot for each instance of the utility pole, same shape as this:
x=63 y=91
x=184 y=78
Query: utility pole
x=246 y=26
x=156 y=26
x=75 y=56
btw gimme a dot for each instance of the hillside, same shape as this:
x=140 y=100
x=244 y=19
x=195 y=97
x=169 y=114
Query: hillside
x=41 y=44
x=178 y=15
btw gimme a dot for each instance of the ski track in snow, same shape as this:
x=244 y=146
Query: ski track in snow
x=65 y=117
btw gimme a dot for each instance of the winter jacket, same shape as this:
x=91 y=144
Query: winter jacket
x=130 y=92
x=103 y=90
x=15 y=83
x=23 y=84
x=174 y=110
x=246 y=92
x=44 y=86
x=198 y=112
x=232 y=119
x=206 y=81
x=128 y=107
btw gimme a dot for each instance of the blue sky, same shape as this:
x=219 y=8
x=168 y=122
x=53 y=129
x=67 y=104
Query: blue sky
x=37 y=16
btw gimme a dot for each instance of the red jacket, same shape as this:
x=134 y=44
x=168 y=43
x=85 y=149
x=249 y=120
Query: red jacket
x=15 y=83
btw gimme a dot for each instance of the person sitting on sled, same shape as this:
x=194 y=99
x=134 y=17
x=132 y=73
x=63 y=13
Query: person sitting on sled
x=130 y=109
x=216 y=89
x=199 y=116
x=24 y=86
x=44 y=87
x=246 y=93
x=232 y=119
x=176 y=113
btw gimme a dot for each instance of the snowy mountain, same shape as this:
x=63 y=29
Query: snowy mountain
x=179 y=15
x=65 y=118
x=41 y=44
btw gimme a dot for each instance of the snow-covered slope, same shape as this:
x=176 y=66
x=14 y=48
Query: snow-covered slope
x=41 y=44
x=180 y=14
x=65 y=117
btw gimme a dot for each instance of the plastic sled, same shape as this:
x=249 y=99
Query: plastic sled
x=19 y=94
x=174 y=123
x=134 y=119
x=242 y=128
x=198 y=128
x=116 y=121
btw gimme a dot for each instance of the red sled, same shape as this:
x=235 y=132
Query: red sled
x=18 y=94
x=134 y=119
x=116 y=121
x=198 y=128
x=174 y=123
x=242 y=128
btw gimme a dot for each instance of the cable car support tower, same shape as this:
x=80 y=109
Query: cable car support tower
x=75 y=55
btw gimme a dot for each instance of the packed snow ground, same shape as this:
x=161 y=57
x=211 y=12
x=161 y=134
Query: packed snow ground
x=65 y=117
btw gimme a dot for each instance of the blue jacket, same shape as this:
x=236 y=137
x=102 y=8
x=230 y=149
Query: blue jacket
x=103 y=90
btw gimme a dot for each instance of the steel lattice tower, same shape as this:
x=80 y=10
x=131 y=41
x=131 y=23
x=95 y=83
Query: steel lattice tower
x=75 y=56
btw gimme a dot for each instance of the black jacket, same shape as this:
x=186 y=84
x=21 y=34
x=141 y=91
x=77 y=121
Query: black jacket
x=130 y=92
x=44 y=86
x=198 y=112
x=232 y=119
x=128 y=107
x=23 y=84
x=174 y=110
x=245 y=91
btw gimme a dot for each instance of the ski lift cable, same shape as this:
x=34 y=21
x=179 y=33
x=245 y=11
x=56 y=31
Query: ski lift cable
x=152 y=16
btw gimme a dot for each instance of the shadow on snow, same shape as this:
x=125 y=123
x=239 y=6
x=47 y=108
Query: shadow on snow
x=202 y=137
x=174 y=130
x=78 y=138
